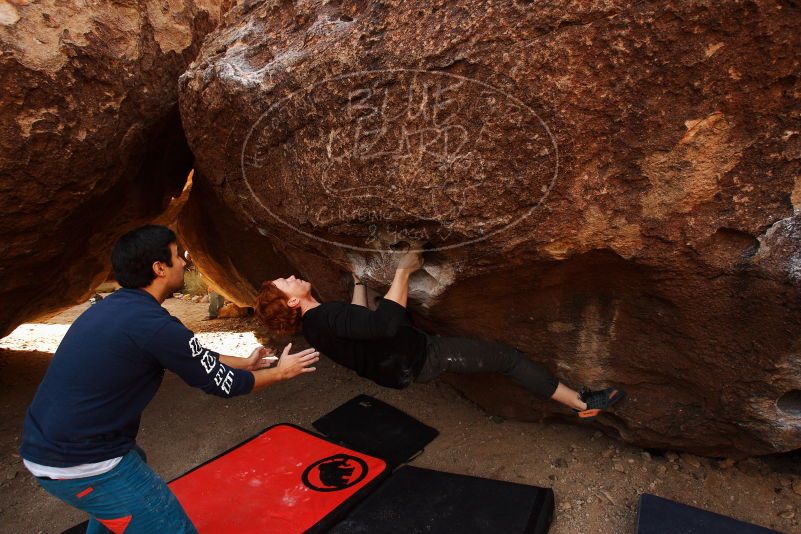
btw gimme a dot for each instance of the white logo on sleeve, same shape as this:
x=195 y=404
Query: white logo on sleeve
x=228 y=382
x=208 y=361
x=222 y=379
x=225 y=381
x=195 y=347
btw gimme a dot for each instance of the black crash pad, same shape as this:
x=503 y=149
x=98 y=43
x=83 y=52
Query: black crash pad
x=416 y=500
x=657 y=515
x=374 y=427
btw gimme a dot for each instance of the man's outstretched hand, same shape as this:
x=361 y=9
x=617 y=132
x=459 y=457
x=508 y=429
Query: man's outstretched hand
x=260 y=358
x=291 y=365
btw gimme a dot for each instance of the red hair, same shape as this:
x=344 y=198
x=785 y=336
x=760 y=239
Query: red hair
x=272 y=309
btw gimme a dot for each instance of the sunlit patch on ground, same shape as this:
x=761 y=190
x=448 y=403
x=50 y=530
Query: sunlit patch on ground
x=229 y=343
x=45 y=334
x=35 y=337
x=46 y=338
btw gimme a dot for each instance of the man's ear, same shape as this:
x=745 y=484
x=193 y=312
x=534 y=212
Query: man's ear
x=158 y=268
x=294 y=302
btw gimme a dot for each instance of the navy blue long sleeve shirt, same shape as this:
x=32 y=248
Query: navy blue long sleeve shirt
x=104 y=373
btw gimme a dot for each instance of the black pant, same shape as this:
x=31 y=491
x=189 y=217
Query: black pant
x=464 y=355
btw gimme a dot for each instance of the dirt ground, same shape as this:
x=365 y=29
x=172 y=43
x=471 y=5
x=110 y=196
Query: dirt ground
x=597 y=480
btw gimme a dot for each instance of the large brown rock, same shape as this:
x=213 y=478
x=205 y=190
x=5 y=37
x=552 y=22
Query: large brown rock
x=610 y=187
x=90 y=138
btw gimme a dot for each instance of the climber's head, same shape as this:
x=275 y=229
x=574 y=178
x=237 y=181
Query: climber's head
x=278 y=304
x=295 y=289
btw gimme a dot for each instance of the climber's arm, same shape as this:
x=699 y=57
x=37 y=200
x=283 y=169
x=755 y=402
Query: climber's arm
x=409 y=262
x=359 y=292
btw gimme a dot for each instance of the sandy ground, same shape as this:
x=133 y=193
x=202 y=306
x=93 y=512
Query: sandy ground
x=597 y=480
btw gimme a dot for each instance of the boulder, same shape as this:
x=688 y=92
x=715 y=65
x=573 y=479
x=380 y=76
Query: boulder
x=90 y=137
x=611 y=187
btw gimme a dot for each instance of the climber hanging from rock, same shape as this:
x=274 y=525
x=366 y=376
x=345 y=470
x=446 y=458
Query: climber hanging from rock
x=384 y=346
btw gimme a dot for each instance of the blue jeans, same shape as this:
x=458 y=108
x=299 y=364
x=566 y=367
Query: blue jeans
x=130 y=498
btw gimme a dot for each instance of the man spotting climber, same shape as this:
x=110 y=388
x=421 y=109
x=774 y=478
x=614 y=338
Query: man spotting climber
x=384 y=346
x=80 y=430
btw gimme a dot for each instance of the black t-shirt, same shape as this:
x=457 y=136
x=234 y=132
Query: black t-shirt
x=381 y=345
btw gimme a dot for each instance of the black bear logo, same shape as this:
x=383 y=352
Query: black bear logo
x=335 y=473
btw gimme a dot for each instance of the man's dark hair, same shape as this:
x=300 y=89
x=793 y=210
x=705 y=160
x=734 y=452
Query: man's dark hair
x=135 y=252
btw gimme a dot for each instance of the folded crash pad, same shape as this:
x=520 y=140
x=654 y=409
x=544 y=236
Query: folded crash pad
x=657 y=515
x=420 y=500
x=369 y=425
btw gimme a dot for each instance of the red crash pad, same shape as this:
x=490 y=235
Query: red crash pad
x=283 y=480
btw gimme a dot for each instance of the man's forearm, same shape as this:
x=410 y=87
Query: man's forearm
x=399 y=290
x=266 y=377
x=233 y=361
